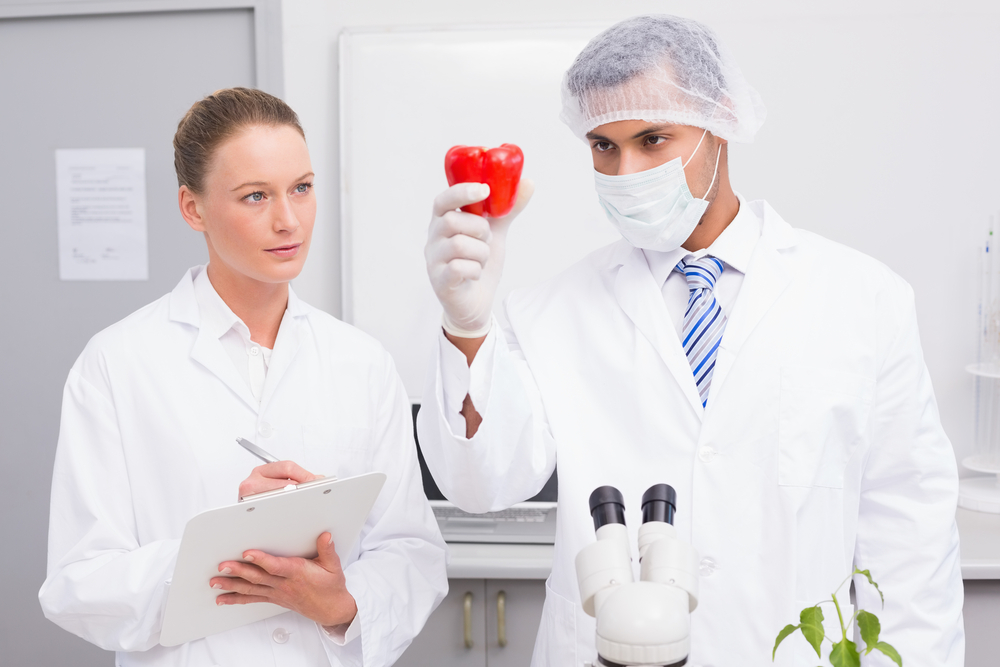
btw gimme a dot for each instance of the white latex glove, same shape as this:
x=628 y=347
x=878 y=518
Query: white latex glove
x=465 y=253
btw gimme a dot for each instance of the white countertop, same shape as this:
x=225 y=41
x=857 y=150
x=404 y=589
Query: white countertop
x=979 y=532
x=980 y=544
x=499 y=561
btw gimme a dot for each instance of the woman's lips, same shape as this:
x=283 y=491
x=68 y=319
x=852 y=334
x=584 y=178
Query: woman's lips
x=285 y=250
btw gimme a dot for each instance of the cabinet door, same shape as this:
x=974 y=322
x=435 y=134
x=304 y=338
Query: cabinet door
x=442 y=642
x=513 y=613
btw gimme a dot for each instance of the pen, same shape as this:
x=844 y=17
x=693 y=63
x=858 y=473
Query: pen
x=256 y=451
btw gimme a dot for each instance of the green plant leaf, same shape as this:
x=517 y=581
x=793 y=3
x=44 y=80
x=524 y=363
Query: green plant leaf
x=891 y=652
x=811 y=619
x=870 y=627
x=845 y=654
x=785 y=631
x=868 y=575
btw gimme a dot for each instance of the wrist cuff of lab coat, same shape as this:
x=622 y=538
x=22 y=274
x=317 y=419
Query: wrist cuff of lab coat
x=345 y=632
x=464 y=333
x=458 y=379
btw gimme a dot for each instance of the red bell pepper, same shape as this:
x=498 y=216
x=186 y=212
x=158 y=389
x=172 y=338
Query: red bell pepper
x=500 y=168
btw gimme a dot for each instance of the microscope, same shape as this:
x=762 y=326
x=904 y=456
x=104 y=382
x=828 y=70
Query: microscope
x=645 y=623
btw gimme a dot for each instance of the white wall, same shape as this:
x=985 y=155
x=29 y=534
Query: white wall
x=881 y=133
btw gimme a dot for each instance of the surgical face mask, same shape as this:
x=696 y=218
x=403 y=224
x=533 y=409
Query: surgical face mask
x=654 y=209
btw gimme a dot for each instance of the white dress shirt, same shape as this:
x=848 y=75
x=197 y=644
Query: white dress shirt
x=250 y=359
x=734 y=247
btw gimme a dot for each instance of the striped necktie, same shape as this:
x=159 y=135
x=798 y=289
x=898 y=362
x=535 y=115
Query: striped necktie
x=704 y=321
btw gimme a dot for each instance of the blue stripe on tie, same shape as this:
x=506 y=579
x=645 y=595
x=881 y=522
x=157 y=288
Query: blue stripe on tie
x=706 y=373
x=708 y=356
x=708 y=326
x=695 y=327
x=692 y=300
x=698 y=271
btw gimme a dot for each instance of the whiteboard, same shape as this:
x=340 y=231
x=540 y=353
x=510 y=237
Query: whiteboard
x=406 y=98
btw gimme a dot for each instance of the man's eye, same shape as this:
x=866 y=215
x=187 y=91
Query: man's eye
x=602 y=146
x=654 y=140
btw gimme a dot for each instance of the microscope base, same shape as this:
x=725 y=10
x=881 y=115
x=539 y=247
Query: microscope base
x=601 y=662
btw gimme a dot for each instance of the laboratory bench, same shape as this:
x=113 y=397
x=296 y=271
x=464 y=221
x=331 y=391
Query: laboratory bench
x=979 y=533
x=491 y=615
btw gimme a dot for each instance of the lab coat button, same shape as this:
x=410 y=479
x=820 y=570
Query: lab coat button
x=706 y=453
x=706 y=567
x=265 y=430
x=280 y=636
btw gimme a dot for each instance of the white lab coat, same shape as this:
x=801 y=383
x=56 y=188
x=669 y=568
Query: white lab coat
x=820 y=447
x=150 y=414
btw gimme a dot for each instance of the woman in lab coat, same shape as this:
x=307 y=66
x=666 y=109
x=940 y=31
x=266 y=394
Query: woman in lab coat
x=816 y=446
x=153 y=406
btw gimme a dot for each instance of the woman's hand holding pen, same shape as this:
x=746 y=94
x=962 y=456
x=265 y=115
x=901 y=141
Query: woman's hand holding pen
x=316 y=589
x=271 y=476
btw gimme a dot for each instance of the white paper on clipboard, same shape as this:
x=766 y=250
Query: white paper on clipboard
x=286 y=524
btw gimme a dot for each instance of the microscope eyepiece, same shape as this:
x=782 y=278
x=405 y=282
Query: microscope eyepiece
x=658 y=503
x=607 y=506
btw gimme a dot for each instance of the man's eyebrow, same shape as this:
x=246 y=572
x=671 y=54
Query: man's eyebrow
x=651 y=130
x=592 y=136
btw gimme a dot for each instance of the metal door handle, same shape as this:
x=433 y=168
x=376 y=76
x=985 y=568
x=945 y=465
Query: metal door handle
x=467 y=608
x=502 y=618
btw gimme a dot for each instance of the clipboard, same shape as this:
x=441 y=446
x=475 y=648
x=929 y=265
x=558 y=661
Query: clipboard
x=284 y=523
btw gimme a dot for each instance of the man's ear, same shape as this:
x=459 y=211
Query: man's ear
x=190 y=206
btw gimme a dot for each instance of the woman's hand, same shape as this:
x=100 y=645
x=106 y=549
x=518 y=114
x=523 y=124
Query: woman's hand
x=271 y=476
x=314 y=588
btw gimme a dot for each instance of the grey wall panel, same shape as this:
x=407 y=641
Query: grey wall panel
x=120 y=80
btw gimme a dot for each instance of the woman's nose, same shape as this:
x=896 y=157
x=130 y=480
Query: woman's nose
x=284 y=216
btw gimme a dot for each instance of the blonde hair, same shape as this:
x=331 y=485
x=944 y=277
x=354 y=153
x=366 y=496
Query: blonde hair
x=211 y=121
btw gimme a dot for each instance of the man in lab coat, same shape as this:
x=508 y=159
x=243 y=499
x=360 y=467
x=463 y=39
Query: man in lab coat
x=774 y=378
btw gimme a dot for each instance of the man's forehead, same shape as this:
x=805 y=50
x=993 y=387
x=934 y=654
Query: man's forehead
x=635 y=129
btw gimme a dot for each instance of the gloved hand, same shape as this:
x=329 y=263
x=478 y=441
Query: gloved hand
x=465 y=254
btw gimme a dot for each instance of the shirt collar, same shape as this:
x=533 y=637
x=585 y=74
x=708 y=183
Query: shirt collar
x=216 y=317
x=734 y=246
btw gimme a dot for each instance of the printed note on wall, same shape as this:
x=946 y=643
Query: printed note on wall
x=101 y=207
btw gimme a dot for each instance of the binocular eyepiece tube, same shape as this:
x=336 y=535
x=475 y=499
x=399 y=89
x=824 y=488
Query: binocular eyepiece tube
x=659 y=504
x=607 y=505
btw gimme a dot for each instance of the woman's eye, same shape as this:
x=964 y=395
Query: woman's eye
x=303 y=187
x=255 y=197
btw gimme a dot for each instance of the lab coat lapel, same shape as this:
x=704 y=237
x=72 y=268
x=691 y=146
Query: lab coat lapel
x=207 y=349
x=641 y=299
x=766 y=279
x=208 y=352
